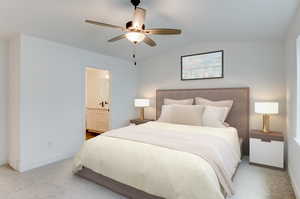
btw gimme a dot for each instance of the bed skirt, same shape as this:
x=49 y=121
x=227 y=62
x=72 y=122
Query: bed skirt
x=117 y=187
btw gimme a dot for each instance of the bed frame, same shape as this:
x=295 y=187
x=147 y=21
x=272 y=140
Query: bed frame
x=238 y=117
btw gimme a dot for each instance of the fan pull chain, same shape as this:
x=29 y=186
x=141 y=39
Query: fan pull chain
x=134 y=56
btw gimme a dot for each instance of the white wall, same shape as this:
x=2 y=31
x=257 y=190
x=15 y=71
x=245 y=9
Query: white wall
x=291 y=76
x=258 y=65
x=52 y=98
x=14 y=102
x=3 y=101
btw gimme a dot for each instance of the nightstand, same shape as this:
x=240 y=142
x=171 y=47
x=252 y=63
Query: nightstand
x=139 y=121
x=267 y=149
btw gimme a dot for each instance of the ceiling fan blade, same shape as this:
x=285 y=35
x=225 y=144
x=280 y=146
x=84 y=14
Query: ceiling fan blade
x=117 y=38
x=163 y=31
x=103 y=24
x=149 y=41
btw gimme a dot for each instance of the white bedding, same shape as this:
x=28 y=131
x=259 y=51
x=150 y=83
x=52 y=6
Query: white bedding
x=157 y=170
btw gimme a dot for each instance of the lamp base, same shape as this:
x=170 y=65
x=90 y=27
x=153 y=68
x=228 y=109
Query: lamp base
x=266 y=123
x=142 y=114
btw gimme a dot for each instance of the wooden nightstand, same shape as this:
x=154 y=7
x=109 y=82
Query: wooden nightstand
x=139 y=121
x=267 y=149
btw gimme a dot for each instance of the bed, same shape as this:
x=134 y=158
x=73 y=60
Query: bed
x=161 y=160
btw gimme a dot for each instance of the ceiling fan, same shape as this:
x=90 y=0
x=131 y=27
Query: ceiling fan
x=135 y=30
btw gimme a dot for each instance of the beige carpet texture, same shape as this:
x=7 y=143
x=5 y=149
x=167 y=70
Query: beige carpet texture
x=56 y=181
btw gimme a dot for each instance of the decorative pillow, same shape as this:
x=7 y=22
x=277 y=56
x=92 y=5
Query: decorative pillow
x=182 y=102
x=182 y=114
x=214 y=116
x=223 y=103
x=165 y=115
x=187 y=114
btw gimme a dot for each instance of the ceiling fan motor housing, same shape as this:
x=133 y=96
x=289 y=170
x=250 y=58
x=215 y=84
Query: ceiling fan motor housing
x=138 y=22
x=129 y=26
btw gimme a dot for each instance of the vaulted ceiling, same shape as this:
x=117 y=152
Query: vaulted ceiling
x=200 y=20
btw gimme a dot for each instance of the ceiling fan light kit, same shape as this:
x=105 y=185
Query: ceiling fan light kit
x=135 y=37
x=135 y=30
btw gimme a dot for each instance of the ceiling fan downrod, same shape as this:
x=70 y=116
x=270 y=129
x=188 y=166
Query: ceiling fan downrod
x=135 y=3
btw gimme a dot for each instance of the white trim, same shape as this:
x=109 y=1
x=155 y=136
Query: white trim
x=3 y=162
x=298 y=89
x=297 y=140
x=293 y=182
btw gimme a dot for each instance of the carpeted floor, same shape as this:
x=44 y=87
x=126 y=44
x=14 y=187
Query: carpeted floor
x=56 y=181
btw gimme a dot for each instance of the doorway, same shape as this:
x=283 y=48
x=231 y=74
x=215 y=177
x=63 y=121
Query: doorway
x=97 y=103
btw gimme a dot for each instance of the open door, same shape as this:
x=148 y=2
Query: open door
x=97 y=102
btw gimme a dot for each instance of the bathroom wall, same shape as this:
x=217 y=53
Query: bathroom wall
x=97 y=87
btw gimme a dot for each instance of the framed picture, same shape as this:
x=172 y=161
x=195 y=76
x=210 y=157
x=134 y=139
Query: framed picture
x=209 y=65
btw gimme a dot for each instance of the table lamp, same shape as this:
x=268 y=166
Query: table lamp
x=266 y=108
x=141 y=103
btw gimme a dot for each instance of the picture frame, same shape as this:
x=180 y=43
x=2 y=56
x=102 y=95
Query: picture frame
x=207 y=65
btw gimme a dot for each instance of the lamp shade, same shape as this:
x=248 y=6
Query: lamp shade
x=266 y=107
x=141 y=102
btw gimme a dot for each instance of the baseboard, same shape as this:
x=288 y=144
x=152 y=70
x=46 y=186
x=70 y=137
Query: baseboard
x=294 y=184
x=33 y=165
x=3 y=162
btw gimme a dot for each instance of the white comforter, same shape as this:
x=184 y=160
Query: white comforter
x=157 y=170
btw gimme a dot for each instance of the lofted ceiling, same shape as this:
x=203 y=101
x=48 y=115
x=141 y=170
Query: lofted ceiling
x=200 y=20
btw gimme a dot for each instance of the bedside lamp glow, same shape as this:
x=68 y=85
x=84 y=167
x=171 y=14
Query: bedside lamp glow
x=266 y=108
x=142 y=103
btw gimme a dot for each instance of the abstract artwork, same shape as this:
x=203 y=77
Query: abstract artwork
x=207 y=65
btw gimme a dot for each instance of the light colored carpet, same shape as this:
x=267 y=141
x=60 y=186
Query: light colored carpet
x=56 y=181
x=254 y=182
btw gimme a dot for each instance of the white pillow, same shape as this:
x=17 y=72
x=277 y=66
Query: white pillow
x=214 y=116
x=187 y=114
x=223 y=103
x=182 y=114
x=165 y=115
x=183 y=102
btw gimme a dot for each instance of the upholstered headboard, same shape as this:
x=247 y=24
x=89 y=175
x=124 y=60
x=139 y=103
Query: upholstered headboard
x=238 y=116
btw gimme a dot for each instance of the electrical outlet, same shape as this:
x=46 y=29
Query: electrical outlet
x=50 y=144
